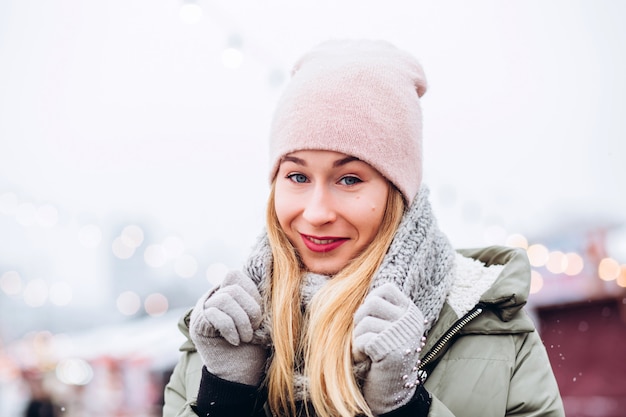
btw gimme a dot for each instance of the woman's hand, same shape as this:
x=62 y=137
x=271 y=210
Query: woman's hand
x=222 y=328
x=388 y=330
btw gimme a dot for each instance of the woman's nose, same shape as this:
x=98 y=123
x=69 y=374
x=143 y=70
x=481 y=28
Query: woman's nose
x=319 y=207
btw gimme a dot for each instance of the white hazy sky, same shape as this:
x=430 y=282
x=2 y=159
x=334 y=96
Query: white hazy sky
x=119 y=111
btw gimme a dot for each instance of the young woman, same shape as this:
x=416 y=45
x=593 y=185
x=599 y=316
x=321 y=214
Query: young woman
x=353 y=302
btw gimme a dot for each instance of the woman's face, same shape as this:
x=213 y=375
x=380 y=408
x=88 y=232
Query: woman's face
x=330 y=206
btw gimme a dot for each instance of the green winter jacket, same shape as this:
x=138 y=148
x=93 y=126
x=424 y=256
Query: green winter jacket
x=488 y=363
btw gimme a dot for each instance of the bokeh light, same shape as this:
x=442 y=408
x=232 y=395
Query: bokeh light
x=127 y=242
x=11 y=283
x=516 y=241
x=621 y=279
x=537 y=254
x=35 y=293
x=128 y=303
x=132 y=236
x=156 y=304
x=575 y=264
x=121 y=250
x=608 y=269
x=74 y=371
x=557 y=262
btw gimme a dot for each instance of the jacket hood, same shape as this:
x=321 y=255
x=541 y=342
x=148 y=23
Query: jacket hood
x=509 y=293
x=501 y=302
x=183 y=326
x=504 y=300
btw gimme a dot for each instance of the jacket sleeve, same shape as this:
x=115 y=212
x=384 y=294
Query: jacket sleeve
x=219 y=397
x=533 y=373
x=181 y=390
x=193 y=391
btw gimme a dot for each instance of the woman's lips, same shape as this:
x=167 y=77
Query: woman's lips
x=322 y=243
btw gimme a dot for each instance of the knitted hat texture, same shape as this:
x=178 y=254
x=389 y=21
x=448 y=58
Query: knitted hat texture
x=360 y=98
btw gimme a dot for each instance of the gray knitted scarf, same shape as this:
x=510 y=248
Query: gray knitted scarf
x=420 y=261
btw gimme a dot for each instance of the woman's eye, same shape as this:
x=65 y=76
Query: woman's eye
x=298 y=178
x=350 y=180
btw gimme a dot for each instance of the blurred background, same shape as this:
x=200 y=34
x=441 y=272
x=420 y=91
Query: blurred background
x=133 y=142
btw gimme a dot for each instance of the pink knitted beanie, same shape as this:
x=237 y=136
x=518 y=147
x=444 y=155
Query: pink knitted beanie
x=360 y=98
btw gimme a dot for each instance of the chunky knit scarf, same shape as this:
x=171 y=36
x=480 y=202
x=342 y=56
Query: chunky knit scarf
x=420 y=261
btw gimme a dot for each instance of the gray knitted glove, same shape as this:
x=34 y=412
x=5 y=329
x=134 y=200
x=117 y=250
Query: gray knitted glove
x=222 y=327
x=388 y=332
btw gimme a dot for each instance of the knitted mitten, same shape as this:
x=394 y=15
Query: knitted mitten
x=222 y=325
x=388 y=331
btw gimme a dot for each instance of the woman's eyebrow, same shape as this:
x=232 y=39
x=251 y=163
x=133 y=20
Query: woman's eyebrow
x=336 y=164
x=294 y=160
x=344 y=161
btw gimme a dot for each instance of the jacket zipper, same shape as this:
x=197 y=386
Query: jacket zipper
x=448 y=335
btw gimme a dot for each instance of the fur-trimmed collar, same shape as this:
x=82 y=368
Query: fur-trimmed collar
x=472 y=279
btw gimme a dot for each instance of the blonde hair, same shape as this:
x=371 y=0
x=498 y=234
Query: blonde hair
x=323 y=339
